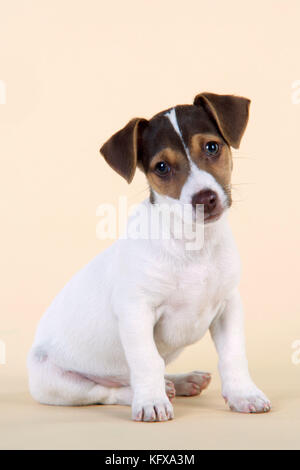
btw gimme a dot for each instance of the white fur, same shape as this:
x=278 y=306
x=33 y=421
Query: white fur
x=198 y=180
x=108 y=335
x=171 y=115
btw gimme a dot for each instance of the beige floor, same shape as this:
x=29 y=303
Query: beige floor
x=201 y=422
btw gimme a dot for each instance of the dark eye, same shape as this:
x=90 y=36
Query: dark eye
x=212 y=148
x=162 y=168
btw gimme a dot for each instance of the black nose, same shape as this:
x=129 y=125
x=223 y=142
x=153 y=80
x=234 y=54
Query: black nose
x=208 y=198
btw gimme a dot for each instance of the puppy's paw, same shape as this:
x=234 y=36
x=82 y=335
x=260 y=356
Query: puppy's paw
x=191 y=384
x=152 y=410
x=247 y=400
x=170 y=389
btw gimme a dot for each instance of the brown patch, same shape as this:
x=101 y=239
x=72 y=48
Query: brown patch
x=219 y=166
x=171 y=184
x=230 y=113
x=121 y=150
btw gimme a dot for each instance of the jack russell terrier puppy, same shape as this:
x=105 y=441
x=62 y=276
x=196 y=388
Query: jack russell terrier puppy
x=110 y=332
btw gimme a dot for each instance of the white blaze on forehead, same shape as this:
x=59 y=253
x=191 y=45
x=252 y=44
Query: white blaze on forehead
x=198 y=179
x=171 y=115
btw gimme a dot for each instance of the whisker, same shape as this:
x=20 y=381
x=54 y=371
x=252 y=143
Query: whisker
x=138 y=193
x=241 y=152
x=243 y=158
x=243 y=155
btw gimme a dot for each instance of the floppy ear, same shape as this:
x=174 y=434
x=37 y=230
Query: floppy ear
x=230 y=112
x=121 y=150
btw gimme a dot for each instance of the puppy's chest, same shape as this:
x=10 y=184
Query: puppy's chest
x=195 y=294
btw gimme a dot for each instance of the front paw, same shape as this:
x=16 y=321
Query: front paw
x=157 y=409
x=247 y=399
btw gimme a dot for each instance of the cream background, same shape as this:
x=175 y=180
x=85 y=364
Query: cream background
x=77 y=71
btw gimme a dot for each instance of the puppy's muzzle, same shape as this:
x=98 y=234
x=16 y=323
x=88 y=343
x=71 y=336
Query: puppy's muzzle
x=211 y=204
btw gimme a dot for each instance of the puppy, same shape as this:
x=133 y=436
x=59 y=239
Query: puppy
x=110 y=332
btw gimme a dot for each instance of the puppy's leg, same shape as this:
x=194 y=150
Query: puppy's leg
x=150 y=401
x=52 y=385
x=190 y=384
x=238 y=389
x=170 y=389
